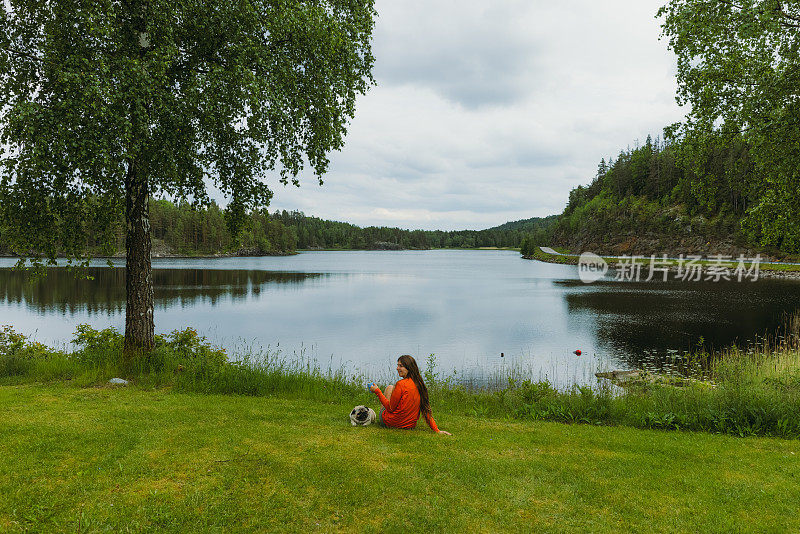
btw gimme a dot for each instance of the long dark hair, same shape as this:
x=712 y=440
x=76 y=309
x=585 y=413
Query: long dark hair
x=413 y=373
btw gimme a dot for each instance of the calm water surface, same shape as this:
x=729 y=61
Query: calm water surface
x=361 y=310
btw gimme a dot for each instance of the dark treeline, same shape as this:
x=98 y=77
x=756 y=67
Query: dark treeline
x=313 y=232
x=680 y=195
x=183 y=229
x=187 y=230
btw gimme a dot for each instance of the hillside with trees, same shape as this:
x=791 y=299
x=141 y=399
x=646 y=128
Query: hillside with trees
x=185 y=230
x=315 y=233
x=676 y=197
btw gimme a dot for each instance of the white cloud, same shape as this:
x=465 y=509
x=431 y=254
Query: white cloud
x=490 y=112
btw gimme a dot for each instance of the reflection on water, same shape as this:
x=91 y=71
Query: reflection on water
x=361 y=310
x=102 y=289
x=647 y=322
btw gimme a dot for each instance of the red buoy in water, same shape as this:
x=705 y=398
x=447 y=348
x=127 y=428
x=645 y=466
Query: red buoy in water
x=577 y=352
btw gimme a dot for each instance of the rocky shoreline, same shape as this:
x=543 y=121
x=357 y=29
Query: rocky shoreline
x=765 y=270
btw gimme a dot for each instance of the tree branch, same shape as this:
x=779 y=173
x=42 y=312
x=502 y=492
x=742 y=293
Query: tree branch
x=23 y=54
x=762 y=11
x=780 y=9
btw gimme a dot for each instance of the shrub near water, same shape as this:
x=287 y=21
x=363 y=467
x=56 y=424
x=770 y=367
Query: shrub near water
x=177 y=352
x=743 y=394
x=18 y=356
x=753 y=393
x=181 y=359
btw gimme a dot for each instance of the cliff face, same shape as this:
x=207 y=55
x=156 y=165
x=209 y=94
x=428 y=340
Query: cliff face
x=648 y=243
x=637 y=226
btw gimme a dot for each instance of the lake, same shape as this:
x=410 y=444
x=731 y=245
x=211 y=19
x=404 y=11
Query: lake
x=362 y=309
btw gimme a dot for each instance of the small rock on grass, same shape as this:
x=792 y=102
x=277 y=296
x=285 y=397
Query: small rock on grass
x=118 y=381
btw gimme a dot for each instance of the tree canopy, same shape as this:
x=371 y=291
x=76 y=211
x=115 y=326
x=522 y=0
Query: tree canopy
x=104 y=103
x=739 y=70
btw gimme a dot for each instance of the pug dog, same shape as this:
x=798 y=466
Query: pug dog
x=362 y=416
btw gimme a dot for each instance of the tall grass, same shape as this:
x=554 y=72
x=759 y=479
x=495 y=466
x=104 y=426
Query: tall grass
x=181 y=360
x=753 y=391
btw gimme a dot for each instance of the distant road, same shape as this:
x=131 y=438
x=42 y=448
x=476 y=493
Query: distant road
x=548 y=250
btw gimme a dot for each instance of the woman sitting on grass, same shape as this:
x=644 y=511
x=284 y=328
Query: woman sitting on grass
x=407 y=398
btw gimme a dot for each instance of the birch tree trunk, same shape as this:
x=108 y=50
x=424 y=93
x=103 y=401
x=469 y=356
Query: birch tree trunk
x=139 y=325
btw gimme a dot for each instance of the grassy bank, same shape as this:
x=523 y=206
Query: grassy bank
x=570 y=258
x=126 y=459
x=741 y=393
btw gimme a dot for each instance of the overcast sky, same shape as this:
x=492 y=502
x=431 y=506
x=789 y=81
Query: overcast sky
x=488 y=112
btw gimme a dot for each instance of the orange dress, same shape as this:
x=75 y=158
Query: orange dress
x=402 y=410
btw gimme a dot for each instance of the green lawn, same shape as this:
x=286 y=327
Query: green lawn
x=99 y=459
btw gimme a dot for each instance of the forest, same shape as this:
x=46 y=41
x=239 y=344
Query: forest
x=659 y=196
x=182 y=229
x=676 y=196
x=185 y=230
x=315 y=233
